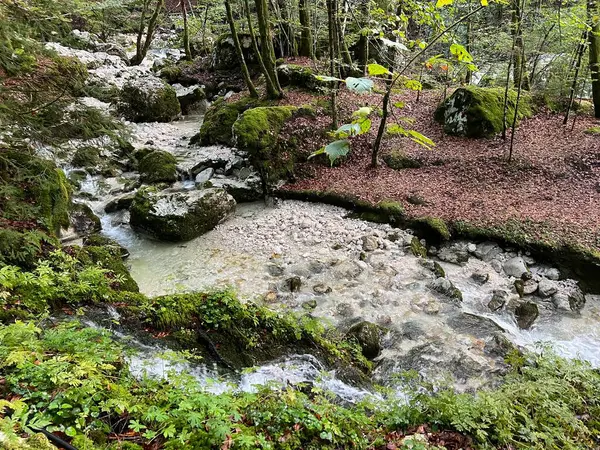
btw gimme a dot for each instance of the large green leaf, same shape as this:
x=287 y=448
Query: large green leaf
x=359 y=85
x=347 y=130
x=365 y=111
x=334 y=150
x=326 y=78
x=442 y=3
x=461 y=53
x=377 y=69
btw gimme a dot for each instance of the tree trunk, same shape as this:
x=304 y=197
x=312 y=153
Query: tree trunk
x=268 y=81
x=142 y=51
x=332 y=25
x=580 y=51
x=239 y=51
x=594 y=36
x=520 y=79
x=138 y=43
x=469 y=75
x=306 y=40
x=363 y=42
x=186 y=32
x=266 y=47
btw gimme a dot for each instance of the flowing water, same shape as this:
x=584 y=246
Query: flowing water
x=349 y=270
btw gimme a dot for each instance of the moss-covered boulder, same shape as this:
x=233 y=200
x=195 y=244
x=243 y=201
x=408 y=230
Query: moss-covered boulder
x=219 y=119
x=157 y=166
x=98 y=240
x=368 y=336
x=179 y=216
x=110 y=258
x=299 y=76
x=257 y=133
x=86 y=157
x=83 y=219
x=148 y=99
x=398 y=160
x=479 y=112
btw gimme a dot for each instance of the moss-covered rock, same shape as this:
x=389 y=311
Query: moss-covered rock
x=98 y=240
x=257 y=132
x=148 y=99
x=224 y=54
x=432 y=228
x=87 y=157
x=219 y=119
x=84 y=220
x=299 y=76
x=479 y=112
x=157 y=167
x=398 y=160
x=179 y=216
x=368 y=336
x=109 y=258
x=417 y=249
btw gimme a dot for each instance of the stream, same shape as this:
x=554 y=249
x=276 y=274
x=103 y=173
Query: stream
x=348 y=270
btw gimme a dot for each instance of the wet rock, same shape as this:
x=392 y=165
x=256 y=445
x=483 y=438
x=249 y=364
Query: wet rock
x=83 y=219
x=347 y=269
x=547 y=288
x=520 y=287
x=309 y=304
x=499 y=345
x=529 y=287
x=480 y=276
x=496 y=265
x=412 y=330
x=486 y=251
x=455 y=253
x=434 y=266
x=148 y=99
x=471 y=248
x=344 y=309
x=417 y=248
x=294 y=284
x=550 y=273
x=498 y=300
x=526 y=313
x=191 y=99
x=569 y=297
x=158 y=167
x=321 y=289
x=515 y=267
x=480 y=327
x=445 y=287
x=275 y=269
x=432 y=307
x=119 y=203
x=204 y=176
x=179 y=216
x=369 y=243
x=248 y=190
x=368 y=336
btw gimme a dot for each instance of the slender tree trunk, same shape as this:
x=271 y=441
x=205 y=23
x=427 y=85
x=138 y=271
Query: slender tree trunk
x=346 y=58
x=469 y=75
x=594 y=55
x=519 y=77
x=363 y=42
x=204 y=28
x=580 y=51
x=142 y=50
x=239 y=51
x=516 y=115
x=268 y=81
x=306 y=40
x=332 y=58
x=266 y=47
x=536 y=60
x=381 y=130
x=140 y=35
x=186 y=32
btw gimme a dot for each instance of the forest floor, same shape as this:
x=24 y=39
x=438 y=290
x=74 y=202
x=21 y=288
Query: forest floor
x=551 y=188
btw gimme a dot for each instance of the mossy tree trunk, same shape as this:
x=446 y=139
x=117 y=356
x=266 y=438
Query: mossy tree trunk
x=142 y=49
x=266 y=47
x=520 y=78
x=239 y=51
x=306 y=39
x=268 y=81
x=593 y=7
x=186 y=32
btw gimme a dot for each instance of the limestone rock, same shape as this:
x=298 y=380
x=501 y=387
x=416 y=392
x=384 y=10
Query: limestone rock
x=369 y=243
x=84 y=220
x=179 y=216
x=515 y=267
x=368 y=336
x=445 y=287
x=526 y=313
x=499 y=299
x=148 y=99
x=547 y=288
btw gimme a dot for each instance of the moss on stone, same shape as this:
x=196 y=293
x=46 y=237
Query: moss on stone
x=157 y=103
x=256 y=132
x=171 y=73
x=479 y=112
x=438 y=270
x=299 y=76
x=158 y=167
x=417 y=248
x=219 y=119
x=110 y=258
x=87 y=157
x=398 y=160
x=432 y=228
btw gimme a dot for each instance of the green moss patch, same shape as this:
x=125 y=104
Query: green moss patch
x=479 y=112
x=398 y=160
x=593 y=131
x=157 y=166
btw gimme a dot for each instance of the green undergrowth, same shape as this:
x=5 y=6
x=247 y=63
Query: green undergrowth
x=76 y=380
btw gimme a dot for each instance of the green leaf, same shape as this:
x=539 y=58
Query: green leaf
x=420 y=139
x=377 y=69
x=365 y=111
x=400 y=105
x=347 y=130
x=365 y=125
x=442 y=3
x=326 y=78
x=359 y=85
x=334 y=150
x=461 y=53
x=484 y=2
x=413 y=85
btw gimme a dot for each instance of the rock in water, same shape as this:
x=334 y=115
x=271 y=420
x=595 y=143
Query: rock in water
x=515 y=267
x=526 y=313
x=84 y=220
x=158 y=167
x=179 y=216
x=148 y=99
x=478 y=112
x=368 y=336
